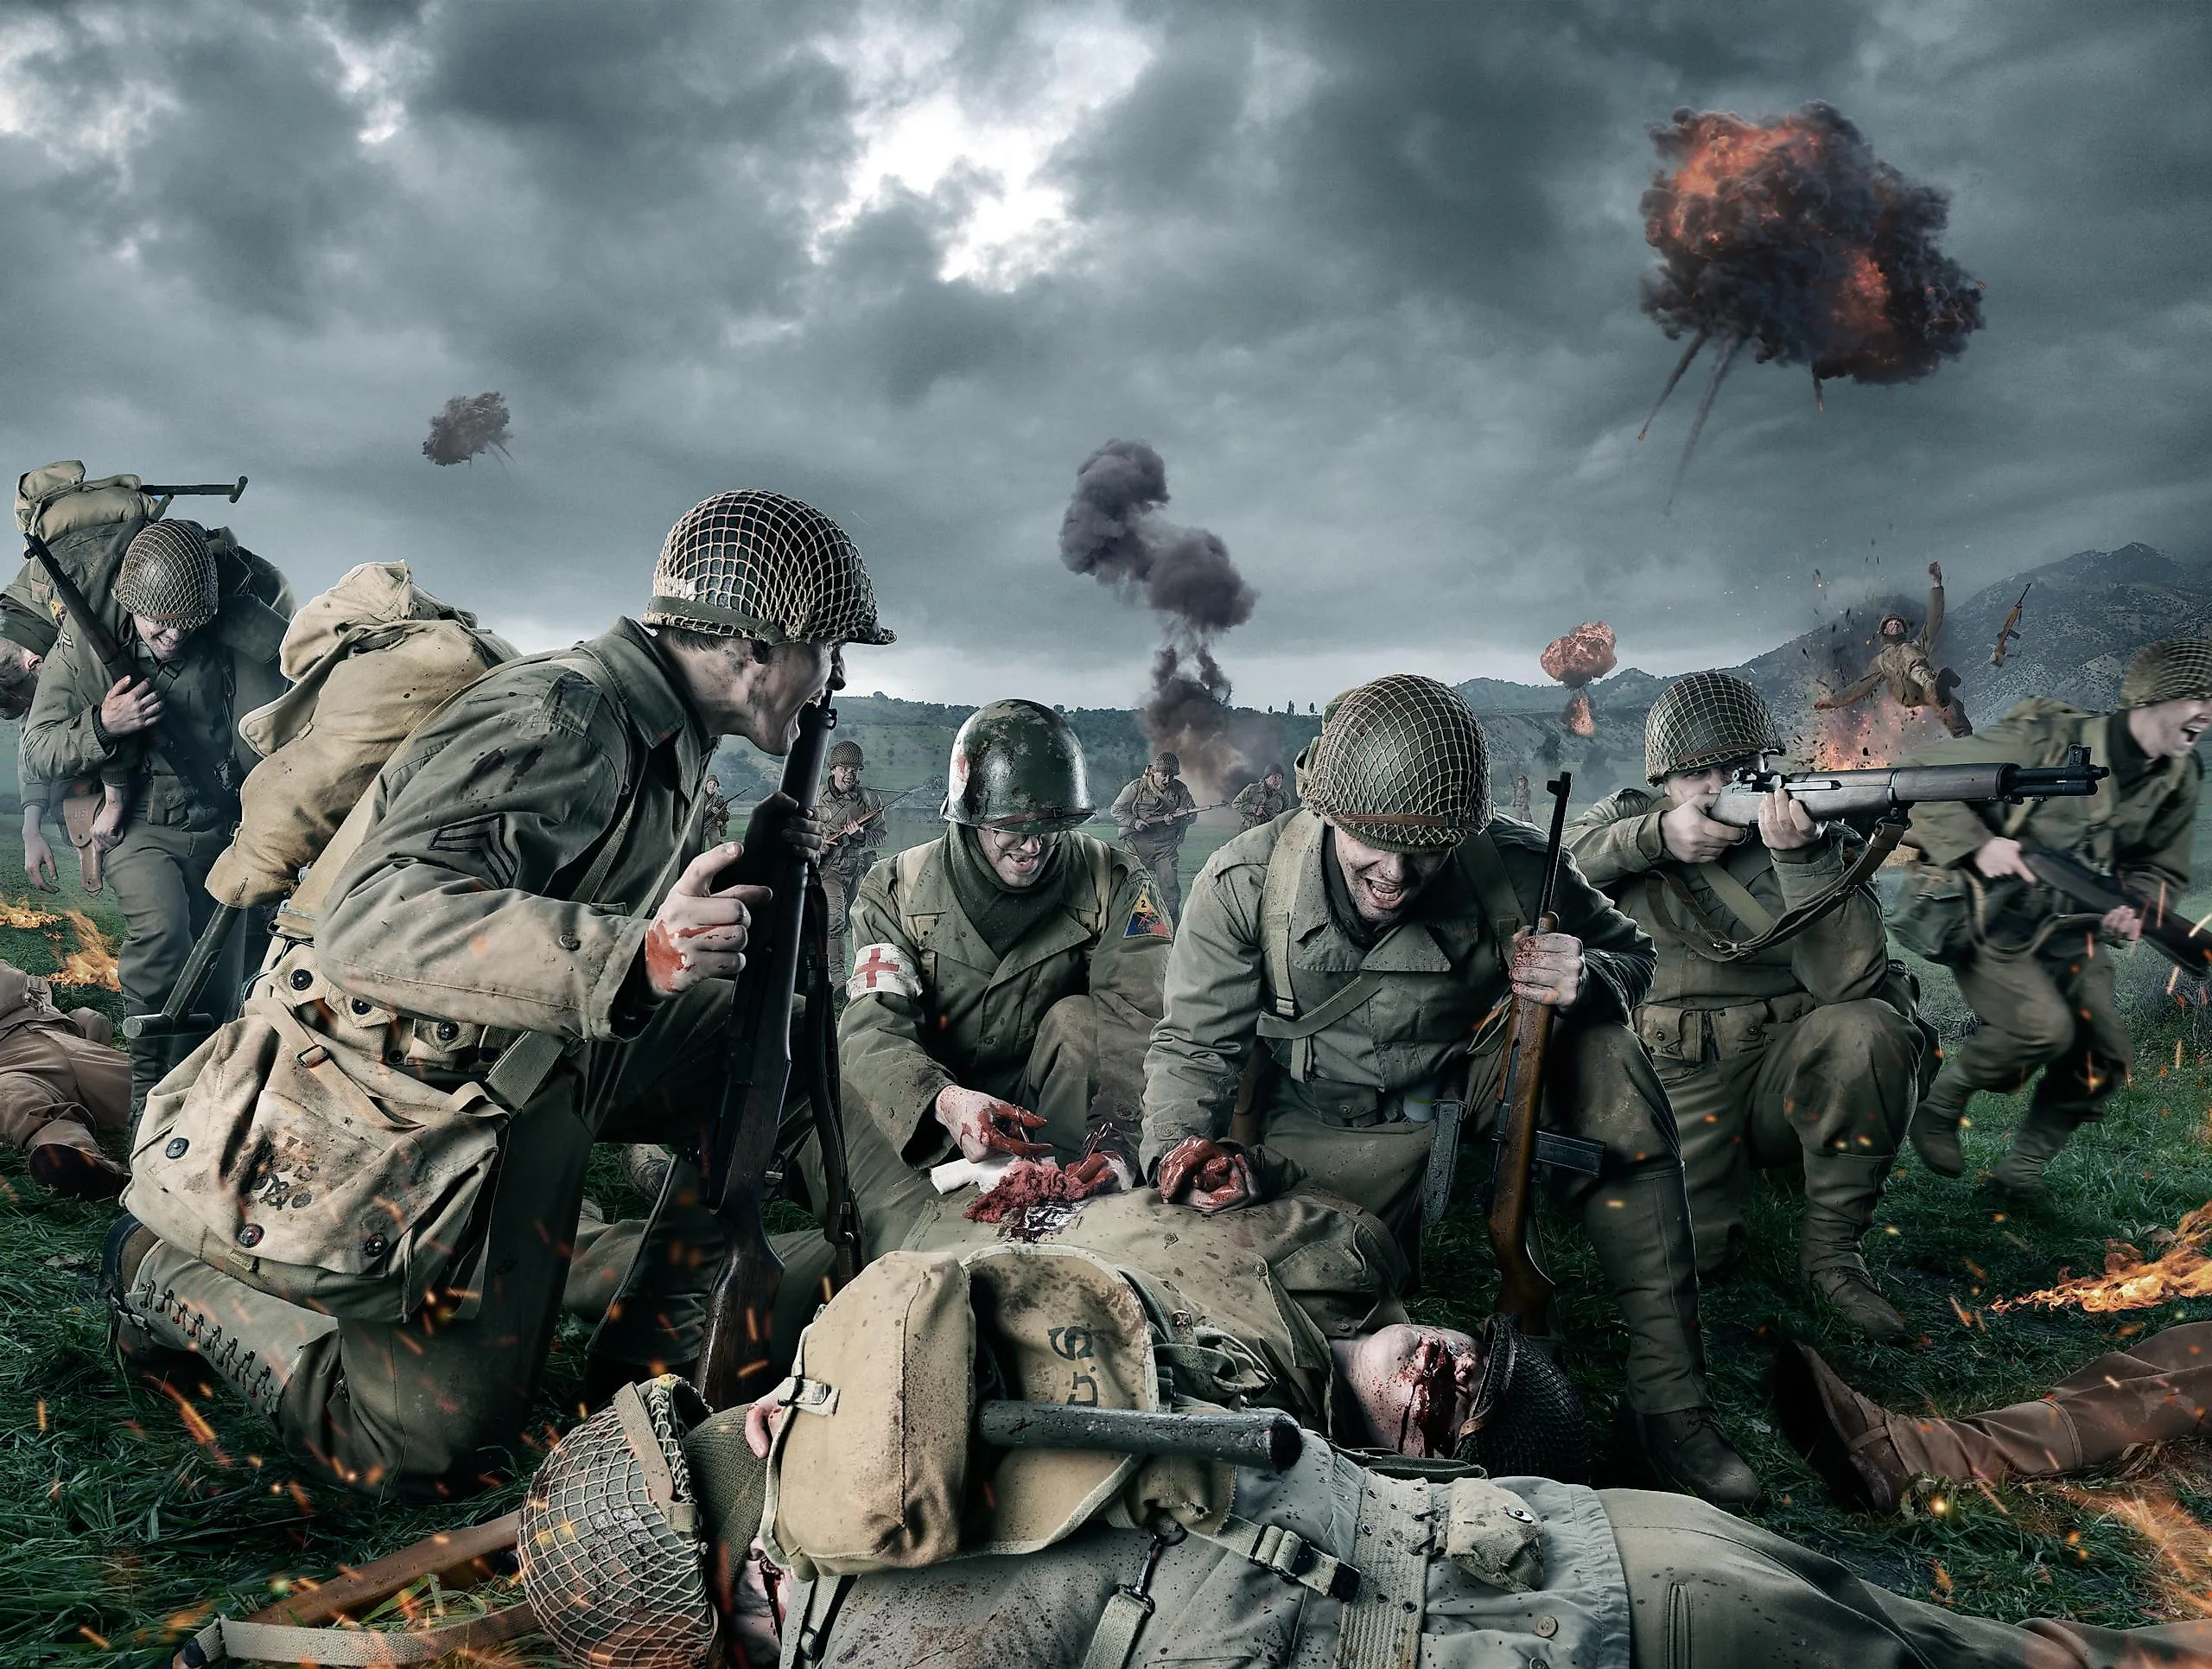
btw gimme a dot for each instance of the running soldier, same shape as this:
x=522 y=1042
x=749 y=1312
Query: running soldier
x=474 y=970
x=714 y=817
x=1903 y=664
x=2041 y=996
x=1365 y=949
x=1787 y=1056
x=855 y=816
x=1153 y=813
x=1263 y=801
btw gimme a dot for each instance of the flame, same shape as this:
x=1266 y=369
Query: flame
x=22 y=915
x=92 y=962
x=1578 y=717
x=2183 y=1587
x=2131 y=1282
x=1584 y=653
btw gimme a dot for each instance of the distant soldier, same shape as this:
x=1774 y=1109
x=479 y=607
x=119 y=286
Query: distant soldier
x=1785 y=1056
x=1153 y=813
x=855 y=818
x=1903 y=664
x=166 y=809
x=714 y=816
x=1007 y=977
x=2041 y=992
x=1263 y=801
x=1366 y=950
x=62 y=1085
x=1518 y=807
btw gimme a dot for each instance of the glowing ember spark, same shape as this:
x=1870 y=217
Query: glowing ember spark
x=2130 y=1280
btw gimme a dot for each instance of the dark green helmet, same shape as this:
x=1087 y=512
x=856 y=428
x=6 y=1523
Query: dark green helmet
x=1016 y=765
x=168 y=575
x=1400 y=763
x=1706 y=718
x=2172 y=669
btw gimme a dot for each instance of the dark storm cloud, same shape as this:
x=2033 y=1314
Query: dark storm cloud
x=1368 y=275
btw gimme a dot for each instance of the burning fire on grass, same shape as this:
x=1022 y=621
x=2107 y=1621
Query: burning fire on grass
x=2182 y=1270
x=1583 y=654
x=92 y=962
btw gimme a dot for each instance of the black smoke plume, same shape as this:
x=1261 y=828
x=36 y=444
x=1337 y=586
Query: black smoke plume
x=1113 y=531
x=1791 y=237
x=470 y=423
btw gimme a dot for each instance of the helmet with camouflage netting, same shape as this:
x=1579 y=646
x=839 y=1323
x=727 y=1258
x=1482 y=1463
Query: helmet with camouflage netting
x=1527 y=1421
x=1706 y=718
x=612 y=1557
x=1017 y=766
x=848 y=753
x=1400 y=763
x=2172 y=669
x=759 y=566
x=168 y=575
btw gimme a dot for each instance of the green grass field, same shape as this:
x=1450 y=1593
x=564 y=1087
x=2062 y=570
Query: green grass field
x=128 y=1517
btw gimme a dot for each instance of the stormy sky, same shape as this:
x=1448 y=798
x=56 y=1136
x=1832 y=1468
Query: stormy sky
x=1366 y=275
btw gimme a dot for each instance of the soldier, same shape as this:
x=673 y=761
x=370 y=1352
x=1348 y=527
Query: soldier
x=1153 y=813
x=1007 y=977
x=1903 y=664
x=856 y=821
x=471 y=966
x=1784 y=1057
x=2041 y=995
x=166 y=809
x=2153 y=1391
x=1518 y=809
x=1263 y=801
x=1366 y=947
x=714 y=816
x=62 y=1085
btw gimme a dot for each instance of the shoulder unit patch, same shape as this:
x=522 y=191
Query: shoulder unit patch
x=1146 y=919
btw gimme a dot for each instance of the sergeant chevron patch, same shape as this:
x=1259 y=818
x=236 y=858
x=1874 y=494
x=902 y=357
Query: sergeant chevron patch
x=882 y=970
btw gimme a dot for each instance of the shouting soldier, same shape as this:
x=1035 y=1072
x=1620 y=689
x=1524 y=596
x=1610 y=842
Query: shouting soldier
x=1366 y=948
x=1263 y=801
x=1785 y=1056
x=1903 y=664
x=1153 y=813
x=854 y=816
x=2041 y=995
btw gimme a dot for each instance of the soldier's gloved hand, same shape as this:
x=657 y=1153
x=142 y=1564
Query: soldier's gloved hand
x=777 y=818
x=1098 y=1173
x=1784 y=824
x=38 y=856
x=1547 y=967
x=981 y=1124
x=1998 y=857
x=700 y=930
x=1691 y=836
x=132 y=705
x=2121 y=923
x=1215 y=1177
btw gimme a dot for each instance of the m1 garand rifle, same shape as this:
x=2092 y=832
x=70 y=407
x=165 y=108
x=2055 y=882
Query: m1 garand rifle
x=789 y=942
x=1886 y=792
x=2009 y=633
x=2185 y=943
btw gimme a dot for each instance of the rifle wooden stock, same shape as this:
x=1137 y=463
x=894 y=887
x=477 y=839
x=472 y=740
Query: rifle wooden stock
x=2182 y=941
x=1524 y=1292
x=757 y=1073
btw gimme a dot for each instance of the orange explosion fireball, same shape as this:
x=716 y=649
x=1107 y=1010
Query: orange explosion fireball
x=2131 y=1281
x=92 y=962
x=1584 y=653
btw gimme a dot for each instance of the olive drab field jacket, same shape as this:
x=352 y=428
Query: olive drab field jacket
x=932 y=1005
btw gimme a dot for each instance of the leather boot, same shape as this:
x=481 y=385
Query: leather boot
x=141 y=1353
x=1841 y=1190
x=645 y=1167
x=64 y=1157
x=1935 y=1129
x=2040 y=1134
x=1687 y=1451
x=1844 y=1436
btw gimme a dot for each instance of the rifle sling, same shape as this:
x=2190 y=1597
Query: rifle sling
x=1707 y=939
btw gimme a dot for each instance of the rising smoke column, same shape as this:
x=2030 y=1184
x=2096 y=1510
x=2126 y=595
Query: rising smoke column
x=1791 y=237
x=470 y=424
x=1113 y=531
x=1574 y=659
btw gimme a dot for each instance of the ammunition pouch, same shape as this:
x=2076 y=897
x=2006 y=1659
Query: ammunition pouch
x=1685 y=1036
x=1933 y=914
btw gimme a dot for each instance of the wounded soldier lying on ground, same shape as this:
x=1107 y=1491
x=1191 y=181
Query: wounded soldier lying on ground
x=1013 y=1458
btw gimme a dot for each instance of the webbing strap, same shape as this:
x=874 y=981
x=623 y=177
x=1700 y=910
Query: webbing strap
x=1114 y=1642
x=277 y=1642
x=1278 y=896
x=1738 y=898
x=1705 y=936
x=1286 y=1553
x=1486 y=872
x=1382 y=1622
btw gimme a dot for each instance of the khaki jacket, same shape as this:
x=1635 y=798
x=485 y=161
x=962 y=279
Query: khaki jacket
x=2143 y=836
x=975 y=1018
x=851 y=855
x=1138 y=802
x=454 y=905
x=1443 y=978
x=1839 y=959
x=1256 y=803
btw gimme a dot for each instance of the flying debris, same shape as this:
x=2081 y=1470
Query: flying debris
x=470 y=423
x=1584 y=653
x=1790 y=236
x=1113 y=532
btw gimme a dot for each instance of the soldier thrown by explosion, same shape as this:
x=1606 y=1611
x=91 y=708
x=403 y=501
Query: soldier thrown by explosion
x=1803 y=1053
x=1263 y=801
x=1155 y=813
x=1008 y=978
x=2155 y=1389
x=1365 y=950
x=2041 y=992
x=855 y=818
x=166 y=809
x=472 y=973
x=1903 y=664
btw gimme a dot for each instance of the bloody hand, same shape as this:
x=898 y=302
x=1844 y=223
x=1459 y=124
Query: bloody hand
x=981 y=1124
x=1215 y=1178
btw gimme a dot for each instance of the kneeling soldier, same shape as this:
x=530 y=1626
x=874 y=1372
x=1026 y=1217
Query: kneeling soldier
x=1367 y=947
x=1007 y=977
x=1787 y=1054
x=2042 y=994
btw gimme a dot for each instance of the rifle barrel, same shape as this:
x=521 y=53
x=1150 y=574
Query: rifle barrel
x=231 y=490
x=1266 y=1438
x=1830 y=794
